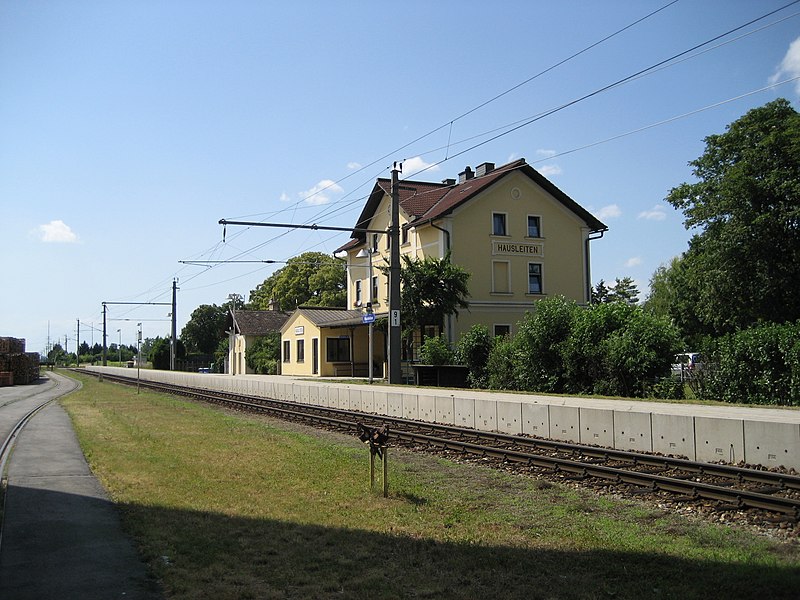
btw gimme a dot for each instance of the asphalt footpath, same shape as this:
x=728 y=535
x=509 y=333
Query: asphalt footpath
x=61 y=534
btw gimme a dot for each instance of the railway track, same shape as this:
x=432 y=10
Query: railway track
x=732 y=486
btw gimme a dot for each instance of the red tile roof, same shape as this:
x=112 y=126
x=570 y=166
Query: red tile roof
x=424 y=201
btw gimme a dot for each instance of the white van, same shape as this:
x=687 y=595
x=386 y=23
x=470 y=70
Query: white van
x=687 y=364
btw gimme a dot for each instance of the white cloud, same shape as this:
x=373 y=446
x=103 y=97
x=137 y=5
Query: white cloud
x=416 y=164
x=634 y=261
x=790 y=65
x=321 y=193
x=549 y=170
x=654 y=214
x=57 y=232
x=612 y=211
x=546 y=153
x=284 y=197
x=353 y=166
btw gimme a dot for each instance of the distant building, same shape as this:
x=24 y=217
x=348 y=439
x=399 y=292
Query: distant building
x=521 y=238
x=244 y=327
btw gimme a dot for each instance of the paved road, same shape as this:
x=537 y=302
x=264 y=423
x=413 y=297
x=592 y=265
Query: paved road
x=61 y=535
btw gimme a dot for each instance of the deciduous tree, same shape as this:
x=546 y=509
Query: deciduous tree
x=743 y=264
x=431 y=289
x=205 y=328
x=312 y=278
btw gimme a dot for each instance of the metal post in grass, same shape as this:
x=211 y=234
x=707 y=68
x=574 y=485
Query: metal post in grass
x=376 y=439
x=371 y=471
x=384 y=454
x=385 y=471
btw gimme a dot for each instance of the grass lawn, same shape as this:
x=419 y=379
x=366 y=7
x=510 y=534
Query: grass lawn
x=223 y=505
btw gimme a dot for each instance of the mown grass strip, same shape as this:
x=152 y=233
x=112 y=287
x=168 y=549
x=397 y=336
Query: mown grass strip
x=231 y=506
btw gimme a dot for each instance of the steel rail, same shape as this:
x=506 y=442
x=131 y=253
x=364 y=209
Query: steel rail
x=742 y=498
x=694 y=489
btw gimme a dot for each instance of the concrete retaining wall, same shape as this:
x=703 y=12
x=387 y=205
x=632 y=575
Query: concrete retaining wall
x=730 y=434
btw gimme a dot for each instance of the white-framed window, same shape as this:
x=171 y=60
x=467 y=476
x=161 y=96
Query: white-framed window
x=534 y=278
x=501 y=277
x=358 y=292
x=499 y=226
x=534 y=226
x=374 y=298
x=375 y=242
x=301 y=350
x=287 y=345
x=501 y=330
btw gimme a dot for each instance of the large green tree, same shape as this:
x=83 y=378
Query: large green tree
x=743 y=263
x=672 y=296
x=160 y=353
x=431 y=289
x=205 y=328
x=313 y=278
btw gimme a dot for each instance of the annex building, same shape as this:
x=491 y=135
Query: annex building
x=519 y=236
x=244 y=327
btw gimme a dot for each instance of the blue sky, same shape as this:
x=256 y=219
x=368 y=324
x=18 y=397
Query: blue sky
x=129 y=129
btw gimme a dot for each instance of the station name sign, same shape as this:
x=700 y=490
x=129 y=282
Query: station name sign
x=517 y=248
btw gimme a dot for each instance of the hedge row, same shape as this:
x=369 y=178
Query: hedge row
x=760 y=365
x=614 y=349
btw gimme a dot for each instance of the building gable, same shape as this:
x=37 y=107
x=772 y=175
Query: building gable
x=423 y=202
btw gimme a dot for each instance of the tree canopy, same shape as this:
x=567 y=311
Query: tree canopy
x=160 y=353
x=431 y=289
x=623 y=290
x=205 y=328
x=743 y=263
x=312 y=278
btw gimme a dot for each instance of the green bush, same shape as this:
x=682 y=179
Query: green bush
x=760 y=365
x=667 y=388
x=539 y=345
x=611 y=348
x=262 y=355
x=436 y=351
x=501 y=365
x=473 y=350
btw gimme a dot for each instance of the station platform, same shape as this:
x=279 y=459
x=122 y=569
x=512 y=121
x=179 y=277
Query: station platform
x=61 y=535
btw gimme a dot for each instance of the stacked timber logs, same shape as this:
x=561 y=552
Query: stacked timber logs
x=16 y=365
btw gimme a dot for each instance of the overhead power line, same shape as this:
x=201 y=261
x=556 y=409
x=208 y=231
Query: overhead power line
x=608 y=87
x=338 y=207
x=329 y=213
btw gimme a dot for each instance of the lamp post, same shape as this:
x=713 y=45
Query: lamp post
x=364 y=253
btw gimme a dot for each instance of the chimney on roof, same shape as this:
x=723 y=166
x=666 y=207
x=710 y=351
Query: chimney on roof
x=274 y=304
x=484 y=169
x=449 y=181
x=465 y=175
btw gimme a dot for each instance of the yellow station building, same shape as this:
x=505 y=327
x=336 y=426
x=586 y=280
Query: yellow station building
x=519 y=236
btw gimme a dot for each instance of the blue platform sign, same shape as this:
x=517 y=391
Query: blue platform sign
x=368 y=317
